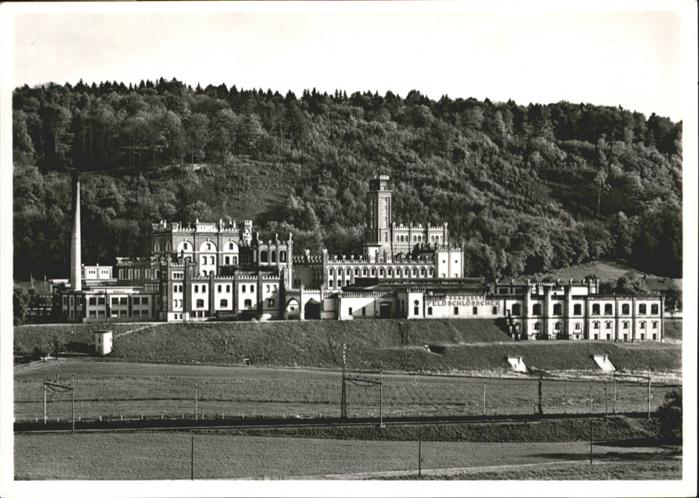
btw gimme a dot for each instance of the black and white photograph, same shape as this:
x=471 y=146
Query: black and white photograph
x=349 y=248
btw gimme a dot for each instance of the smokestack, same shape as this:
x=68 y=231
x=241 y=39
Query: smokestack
x=75 y=240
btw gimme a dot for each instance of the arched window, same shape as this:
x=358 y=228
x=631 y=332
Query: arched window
x=373 y=272
x=282 y=256
x=331 y=272
x=422 y=272
x=389 y=272
x=516 y=309
x=168 y=247
x=263 y=256
x=156 y=247
x=557 y=326
x=380 y=272
x=356 y=272
x=398 y=272
x=364 y=272
x=274 y=257
x=414 y=272
x=608 y=309
x=536 y=310
x=431 y=272
x=557 y=309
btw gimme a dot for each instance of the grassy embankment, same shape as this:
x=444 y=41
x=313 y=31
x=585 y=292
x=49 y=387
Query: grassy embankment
x=454 y=345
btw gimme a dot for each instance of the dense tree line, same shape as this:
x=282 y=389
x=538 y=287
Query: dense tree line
x=524 y=188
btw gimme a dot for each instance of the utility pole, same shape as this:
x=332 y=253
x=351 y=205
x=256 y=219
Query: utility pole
x=590 y=422
x=419 y=454
x=343 y=389
x=381 y=399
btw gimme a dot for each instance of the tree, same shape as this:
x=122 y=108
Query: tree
x=20 y=300
x=670 y=417
x=601 y=183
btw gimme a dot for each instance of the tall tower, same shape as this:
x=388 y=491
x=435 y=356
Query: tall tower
x=378 y=227
x=75 y=241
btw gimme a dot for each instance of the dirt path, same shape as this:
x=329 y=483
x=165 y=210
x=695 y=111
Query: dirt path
x=127 y=332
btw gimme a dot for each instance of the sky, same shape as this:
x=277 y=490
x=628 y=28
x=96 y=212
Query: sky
x=499 y=51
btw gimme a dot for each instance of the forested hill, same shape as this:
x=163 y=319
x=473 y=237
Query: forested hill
x=525 y=188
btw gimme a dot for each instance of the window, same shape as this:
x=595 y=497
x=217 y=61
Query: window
x=557 y=326
x=643 y=337
x=252 y=288
x=609 y=337
x=115 y=300
x=397 y=272
x=364 y=272
x=624 y=325
x=536 y=310
x=349 y=311
x=228 y=288
x=595 y=309
x=136 y=300
x=247 y=303
x=577 y=309
x=270 y=302
x=274 y=257
x=363 y=311
x=282 y=256
x=416 y=307
x=641 y=309
x=557 y=309
x=595 y=325
x=503 y=290
x=495 y=310
x=608 y=325
x=537 y=327
x=577 y=326
x=608 y=309
x=208 y=246
x=429 y=310
x=422 y=272
x=330 y=282
x=654 y=325
x=373 y=272
x=625 y=309
x=122 y=301
x=203 y=288
x=223 y=303
x=144 y=300
x=475 y=310
x=516 y=309
x=339 y=283
x=643 y=325
x=381 y=272
x=200 y=303
x=356 y=272
x=263 y=256
x=267 y=287
x=100 y=300
x=654 y=309
x=196 y=288
x=456 y=310
x=227 y=260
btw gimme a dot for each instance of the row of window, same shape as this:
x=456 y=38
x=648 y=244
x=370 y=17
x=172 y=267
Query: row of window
x=135 y=274
x=365 y=272
x=596 y=325
x=577 y=309
x=267 y=256
x=416 y=238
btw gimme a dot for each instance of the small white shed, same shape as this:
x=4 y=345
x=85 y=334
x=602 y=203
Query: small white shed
x=103 y=342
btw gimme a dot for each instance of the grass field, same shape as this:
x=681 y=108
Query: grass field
x=608 y=271
x=133 y=389
x=653 y=469
x=140 y=456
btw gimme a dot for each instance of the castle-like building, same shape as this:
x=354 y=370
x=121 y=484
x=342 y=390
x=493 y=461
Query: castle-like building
x=223 y=270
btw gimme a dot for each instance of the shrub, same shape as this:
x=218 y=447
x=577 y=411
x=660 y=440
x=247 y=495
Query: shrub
x=670 y=417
